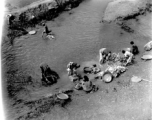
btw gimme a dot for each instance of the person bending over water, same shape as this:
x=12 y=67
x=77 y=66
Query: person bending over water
x=47 y=31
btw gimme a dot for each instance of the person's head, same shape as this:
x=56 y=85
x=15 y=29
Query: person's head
x=131 y=42
x=123 y=51
x=94 y=65
x=109 y=53
x=43 y=24
x=86 y=78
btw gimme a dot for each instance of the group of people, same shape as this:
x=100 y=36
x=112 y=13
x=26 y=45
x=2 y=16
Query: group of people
x=84 y=83
x=80 y=82
x=127 y=58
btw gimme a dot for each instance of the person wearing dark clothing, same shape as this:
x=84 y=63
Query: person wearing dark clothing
x=33 y=21
x=10 y=19
x=47 y=31
x=48 y=76
x=134 y=48
x=104 y=55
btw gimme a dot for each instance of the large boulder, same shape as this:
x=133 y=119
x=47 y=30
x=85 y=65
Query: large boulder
x=148 y=46
x=123 y=8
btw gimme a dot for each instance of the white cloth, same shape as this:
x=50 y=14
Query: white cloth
x=129 y=55
x=100 y=53
x=103 y=52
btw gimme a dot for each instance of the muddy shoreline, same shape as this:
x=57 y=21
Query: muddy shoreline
x=35 y=14
x=14 y=74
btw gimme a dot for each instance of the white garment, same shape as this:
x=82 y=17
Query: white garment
x=101 y=57
x=129 y=55
x=100 y=53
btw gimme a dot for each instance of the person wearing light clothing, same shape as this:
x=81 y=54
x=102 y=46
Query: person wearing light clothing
x=103 y=54
x=128 y=55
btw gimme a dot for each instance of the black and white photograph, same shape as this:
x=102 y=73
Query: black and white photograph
x=76 y=60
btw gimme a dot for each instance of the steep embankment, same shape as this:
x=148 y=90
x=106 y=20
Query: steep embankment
x=131 y=15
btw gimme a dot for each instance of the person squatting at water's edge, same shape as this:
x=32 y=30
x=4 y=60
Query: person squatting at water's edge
x=117 y=64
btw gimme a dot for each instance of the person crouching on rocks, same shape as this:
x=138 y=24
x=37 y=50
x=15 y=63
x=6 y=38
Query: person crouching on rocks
x=129 y=56
x=47 y=31
x=104 y=54
x=10 y=19
x=88 y=86
x=134 y=48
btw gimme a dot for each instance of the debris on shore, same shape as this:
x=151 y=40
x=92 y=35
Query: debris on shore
x=45 y=105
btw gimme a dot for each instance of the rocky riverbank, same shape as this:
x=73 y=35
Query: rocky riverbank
x=35 y=14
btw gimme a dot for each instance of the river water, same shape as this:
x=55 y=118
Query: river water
x=77 y=39
x=79 y=36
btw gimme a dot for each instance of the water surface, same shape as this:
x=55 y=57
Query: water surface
x=79 y=36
